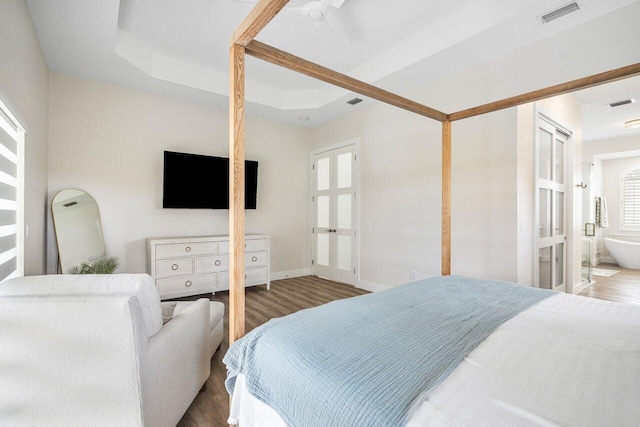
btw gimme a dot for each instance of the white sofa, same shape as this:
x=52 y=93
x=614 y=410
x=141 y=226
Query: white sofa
x=91 y=350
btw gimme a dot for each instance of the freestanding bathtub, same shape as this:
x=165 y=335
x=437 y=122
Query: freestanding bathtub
x=626 y=254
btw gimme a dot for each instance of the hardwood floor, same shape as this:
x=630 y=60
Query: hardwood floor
x=211 y=407
x=287 y=296
x=621 y=287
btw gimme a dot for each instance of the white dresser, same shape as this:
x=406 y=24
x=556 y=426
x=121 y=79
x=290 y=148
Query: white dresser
x=183 y=266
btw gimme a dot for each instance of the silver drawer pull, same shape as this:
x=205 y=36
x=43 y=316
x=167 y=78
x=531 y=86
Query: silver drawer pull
x=245 y=245
x=217 y=263
x=174 y=267
x=187 y=249
x=254 y=258
x=245 y=275
x=188 y=283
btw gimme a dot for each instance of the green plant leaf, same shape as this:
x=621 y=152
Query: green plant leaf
x=102 y=265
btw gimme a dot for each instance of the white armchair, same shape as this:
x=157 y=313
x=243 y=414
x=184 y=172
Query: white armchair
x=92 y=350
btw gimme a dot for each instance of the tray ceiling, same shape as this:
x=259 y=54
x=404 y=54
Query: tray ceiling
x=180 y=49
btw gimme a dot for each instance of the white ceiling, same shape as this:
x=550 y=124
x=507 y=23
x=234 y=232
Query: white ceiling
x=602 y=121
x=180 y=49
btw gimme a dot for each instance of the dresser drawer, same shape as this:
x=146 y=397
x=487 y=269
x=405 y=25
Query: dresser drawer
x=252 y=276
x=208 y=264
x=174 y=267
x=187 y=285
x=250 y=245
x=184 y=249
x=256 y=275
x=255 y=259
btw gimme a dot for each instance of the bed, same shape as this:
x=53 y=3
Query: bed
x=561 y=360
x=540 y=358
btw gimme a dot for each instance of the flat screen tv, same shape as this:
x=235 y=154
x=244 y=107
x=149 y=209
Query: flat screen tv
x=192 y=181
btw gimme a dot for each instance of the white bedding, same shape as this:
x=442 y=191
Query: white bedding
x=567 y=361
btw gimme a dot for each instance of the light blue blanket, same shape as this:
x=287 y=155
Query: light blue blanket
x=371 y=360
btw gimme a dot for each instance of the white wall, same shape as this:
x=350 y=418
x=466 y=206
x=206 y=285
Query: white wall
x=401 y=193
x=109 y=141
x=24 y=78
x=484 y=196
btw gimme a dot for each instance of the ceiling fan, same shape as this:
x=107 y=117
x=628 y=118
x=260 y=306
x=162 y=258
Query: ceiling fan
x=322 y=12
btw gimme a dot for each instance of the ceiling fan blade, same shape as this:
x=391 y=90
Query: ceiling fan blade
x=292 y=5
x=327 y=25
x=336 y=3
x=341 y=27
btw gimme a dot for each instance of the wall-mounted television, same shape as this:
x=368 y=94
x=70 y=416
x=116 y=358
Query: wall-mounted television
x=193 y=181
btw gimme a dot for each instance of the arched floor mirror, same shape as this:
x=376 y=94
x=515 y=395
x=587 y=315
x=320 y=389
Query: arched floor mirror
x=76 y=220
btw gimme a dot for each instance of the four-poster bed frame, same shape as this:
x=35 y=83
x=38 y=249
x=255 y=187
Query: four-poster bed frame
x=243 y=43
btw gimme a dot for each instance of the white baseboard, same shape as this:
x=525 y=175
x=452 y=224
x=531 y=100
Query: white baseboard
x=578 y=287
x=290 y=273
x=372 y=287
x=607 y=259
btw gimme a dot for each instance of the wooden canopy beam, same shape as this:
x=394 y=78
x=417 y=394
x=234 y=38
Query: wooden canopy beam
x=583 y=83
x=287 y=60
x=258 y=18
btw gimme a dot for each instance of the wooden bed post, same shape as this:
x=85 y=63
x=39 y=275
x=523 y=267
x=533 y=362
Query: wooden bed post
x=236 y=193
x=446 y=198
x=263 y=12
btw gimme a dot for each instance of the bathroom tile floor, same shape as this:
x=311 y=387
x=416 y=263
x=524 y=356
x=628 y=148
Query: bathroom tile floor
x=621 y=287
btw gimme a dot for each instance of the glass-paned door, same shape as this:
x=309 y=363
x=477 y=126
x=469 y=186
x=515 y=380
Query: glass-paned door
x=334 y=208
x=550 y=266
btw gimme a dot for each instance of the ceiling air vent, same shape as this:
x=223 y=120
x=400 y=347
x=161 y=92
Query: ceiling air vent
x=619 y=103
x=354 y=101
x=559 y=13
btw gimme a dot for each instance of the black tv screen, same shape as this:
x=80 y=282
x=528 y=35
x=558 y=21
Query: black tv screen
x=192 y=181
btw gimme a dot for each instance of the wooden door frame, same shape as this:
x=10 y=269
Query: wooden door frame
x=356 y=211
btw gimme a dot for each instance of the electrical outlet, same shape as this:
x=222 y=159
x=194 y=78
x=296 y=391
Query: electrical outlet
x=414 y=274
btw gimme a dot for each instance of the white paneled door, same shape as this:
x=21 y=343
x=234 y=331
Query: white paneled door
x=550 y=267
x=334 y=214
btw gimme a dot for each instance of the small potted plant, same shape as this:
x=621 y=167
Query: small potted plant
x=102 y=265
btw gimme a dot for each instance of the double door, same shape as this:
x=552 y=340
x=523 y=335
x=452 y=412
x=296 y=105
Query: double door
x=335 y=214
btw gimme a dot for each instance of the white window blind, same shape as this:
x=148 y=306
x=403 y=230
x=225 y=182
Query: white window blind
x=11 y=194
x=631 y=199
